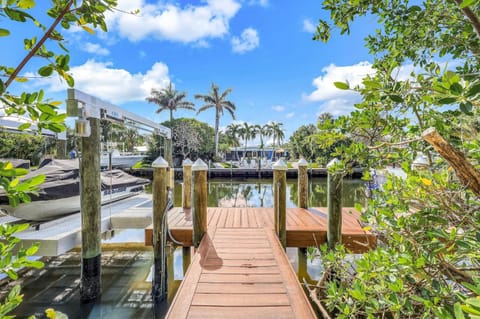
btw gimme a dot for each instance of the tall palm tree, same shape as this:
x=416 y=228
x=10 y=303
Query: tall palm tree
x=263 y=131
x=247 y=132
x=217 y=100
x=170 y=99
x=233 y=133
x=277 y=132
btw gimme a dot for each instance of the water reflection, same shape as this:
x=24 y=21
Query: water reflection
x=258 y=193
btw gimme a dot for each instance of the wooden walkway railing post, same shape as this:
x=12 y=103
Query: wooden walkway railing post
x=187 y=186
x=199 y=201
x=334 y=203
x=280 y=200
x=302 y=184
x=90 y=201
x=160 y=197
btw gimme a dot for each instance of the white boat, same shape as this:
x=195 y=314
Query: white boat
x=60 y=193
x=120 y=160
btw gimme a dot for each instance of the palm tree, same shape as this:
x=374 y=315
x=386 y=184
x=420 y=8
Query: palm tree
x=233 y=132
x=247 y=132
x=263 y=131
x=218 y=101
x=277 y=133
x=169 y=99
x=324 y=117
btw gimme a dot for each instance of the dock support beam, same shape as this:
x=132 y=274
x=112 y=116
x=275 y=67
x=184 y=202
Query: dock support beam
x=187 y=188
x=160 y=197
x=90 y=201
x=199 y=201
x=280 y=200
x=302 y=184
x=334 y=203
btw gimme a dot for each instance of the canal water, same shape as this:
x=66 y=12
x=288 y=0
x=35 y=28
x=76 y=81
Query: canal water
x=126 y=263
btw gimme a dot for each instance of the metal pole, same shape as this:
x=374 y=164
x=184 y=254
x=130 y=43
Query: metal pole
x=199 y=170
x=280 y=200
x=160 y=198
x=90 y=201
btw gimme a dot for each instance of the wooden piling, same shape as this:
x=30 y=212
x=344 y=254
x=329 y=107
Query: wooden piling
x=199 y=170
x=160 y=196
x=169 y=159
x=302 y=184
x=90 y=201
x=187 y=185
x=186 y=258
x=334 y=203
x=280 y=200
x=61 y=149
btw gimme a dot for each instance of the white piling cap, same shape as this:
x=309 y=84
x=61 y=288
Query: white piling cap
x=187 y=162
x=280 y=165
x=199 y=165
x=160 y=162
x=333 y=162
x=302 y=162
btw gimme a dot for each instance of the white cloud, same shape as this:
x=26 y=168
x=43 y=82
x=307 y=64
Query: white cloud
x=278 y=108
x=352 y=74
x=309 y=26
x=111 y=84
x=168 y=21
x=290 y=115
x=95 y=48
x=336 y=101
x=247 y=41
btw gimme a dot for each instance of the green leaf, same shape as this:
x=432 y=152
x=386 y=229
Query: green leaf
x=24 y=126
x=396 y=98
x=4 y=32
x=474 y=90
x=458 y=311
x=69 y=79
x=466 y=107
x=341 y=85
x=456 y=89
x=45 y=70
x=467 y=3
x=26 y=4
x=447 y=100
x=32 y=250
x=46 y=108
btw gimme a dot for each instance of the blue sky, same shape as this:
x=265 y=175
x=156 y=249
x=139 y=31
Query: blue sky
x=262 y=49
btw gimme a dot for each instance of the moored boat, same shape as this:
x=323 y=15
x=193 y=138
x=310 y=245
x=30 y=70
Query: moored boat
x=60 y=193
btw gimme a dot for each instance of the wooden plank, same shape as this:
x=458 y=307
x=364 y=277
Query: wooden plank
x=185 y=293
x=202 y=312
x=304 y=228
x=245 y=270
x=298 y=300
x=240 y=300
x=241 y=288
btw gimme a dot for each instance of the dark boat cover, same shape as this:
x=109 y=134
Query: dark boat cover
x=62 y=180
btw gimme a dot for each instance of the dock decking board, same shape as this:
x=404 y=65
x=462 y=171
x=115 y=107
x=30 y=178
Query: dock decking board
x=240 y=273
x=304 y=227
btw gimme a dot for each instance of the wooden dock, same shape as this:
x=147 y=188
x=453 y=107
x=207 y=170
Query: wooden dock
x=240 y=273
x=305 y=227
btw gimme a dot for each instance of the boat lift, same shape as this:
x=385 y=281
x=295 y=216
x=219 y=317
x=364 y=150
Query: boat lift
x=89 y=110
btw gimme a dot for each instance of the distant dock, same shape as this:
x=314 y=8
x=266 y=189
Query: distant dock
x=244 y=172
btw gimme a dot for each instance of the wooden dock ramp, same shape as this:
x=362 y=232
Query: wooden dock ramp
x=240 y=273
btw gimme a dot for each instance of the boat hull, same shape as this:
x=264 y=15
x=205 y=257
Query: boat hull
x=42 y=210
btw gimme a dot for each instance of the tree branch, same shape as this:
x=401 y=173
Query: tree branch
x=471 y=16
x=39 y=44
x=465 y=171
